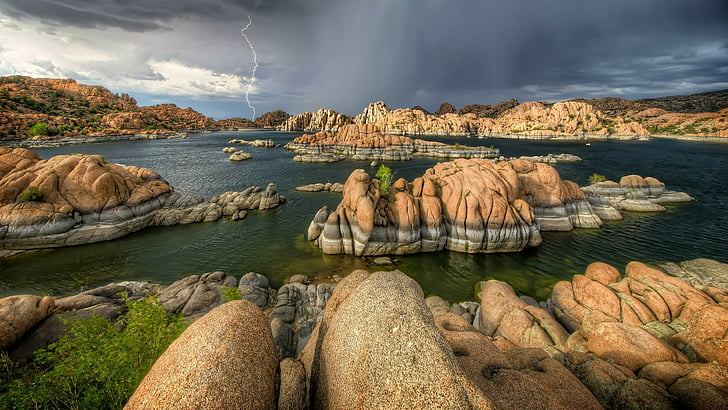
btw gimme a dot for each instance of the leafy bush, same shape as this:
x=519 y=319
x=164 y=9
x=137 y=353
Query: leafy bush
x=596 y=178
x=98 y=366
x=384 y=174
x=230 y=293
x=31 y=193
x=40 y=128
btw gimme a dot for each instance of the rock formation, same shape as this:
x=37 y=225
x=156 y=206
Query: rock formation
x=633 y=193
x=79 y=199
x=318 y=187
x=321 y=120
x=226 y=359
x=272 y=119
x=366 y=142
x=645 y=340
x=464 y=205
x=18 y=314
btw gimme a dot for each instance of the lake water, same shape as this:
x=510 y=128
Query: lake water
x=274 y=243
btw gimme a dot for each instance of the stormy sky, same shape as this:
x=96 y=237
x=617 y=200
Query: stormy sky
x=344 y=54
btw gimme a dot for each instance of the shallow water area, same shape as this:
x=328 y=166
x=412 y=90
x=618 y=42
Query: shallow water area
x=274 y=244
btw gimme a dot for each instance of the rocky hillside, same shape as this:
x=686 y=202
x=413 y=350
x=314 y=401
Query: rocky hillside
x=41 y=108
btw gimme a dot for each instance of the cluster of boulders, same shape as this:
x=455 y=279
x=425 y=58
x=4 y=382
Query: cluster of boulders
x=79 y=199
x=367 y=142
x=633 y=193
x=467 y=206
x=320 y=186
x=268 y=143
x=645 y=340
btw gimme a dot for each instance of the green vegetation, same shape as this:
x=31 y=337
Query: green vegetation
x=98 y=366
x=459 y=146
x=596 y=178
x=230 y=293
x=39 y=129
x=31 y=193
x=384 y=174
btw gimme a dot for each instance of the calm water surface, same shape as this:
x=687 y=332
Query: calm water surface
x=273 y=242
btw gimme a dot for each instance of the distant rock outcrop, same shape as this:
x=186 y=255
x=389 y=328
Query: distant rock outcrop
x=367 y=142
x=633 y=193
x=272 y=119
x=79 y=199
x=321 y=120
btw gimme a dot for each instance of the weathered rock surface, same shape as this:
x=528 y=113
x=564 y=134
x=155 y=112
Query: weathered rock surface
x=319 y=187
x=240 y=155
x=321 y=120
x=464 y=205
x=518 y=379
x=563 y=119
x=226 y=359
x=84 y=199
x=195 y=294
x=367 y=142
x=503 y=314
x=268 y=143
x=18 y=314
x=377 y=346
x=633 y=193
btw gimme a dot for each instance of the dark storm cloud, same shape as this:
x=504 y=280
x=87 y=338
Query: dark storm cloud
x=344 y=54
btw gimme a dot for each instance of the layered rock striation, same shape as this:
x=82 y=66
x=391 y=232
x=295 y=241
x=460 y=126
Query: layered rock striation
x=79 y=199
x=464 y=205
x=367 y=142
x=633 y=193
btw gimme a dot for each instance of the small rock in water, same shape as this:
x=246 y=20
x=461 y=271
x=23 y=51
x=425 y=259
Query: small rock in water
x=299 y=278
x=373 y=164
x=383 y=260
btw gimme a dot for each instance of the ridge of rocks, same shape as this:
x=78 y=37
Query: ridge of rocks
x=83 y=199
x=367 y=142
x=472 y=205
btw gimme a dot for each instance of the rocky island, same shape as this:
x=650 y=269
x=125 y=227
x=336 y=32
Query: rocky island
x=472 y=206
x=78 y=199
x=367 y=142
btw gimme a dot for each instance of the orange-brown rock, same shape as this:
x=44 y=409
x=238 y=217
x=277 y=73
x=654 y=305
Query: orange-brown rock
x=79 y=199
x=321 y=120
x=504 y=314
x=465 y=205
x=367 y=142
x=70 y=109
x=377 y=346
x=226 y=359
x=18 y=314
x=525 y=379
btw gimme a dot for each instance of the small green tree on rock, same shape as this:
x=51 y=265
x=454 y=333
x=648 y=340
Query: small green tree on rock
x=384 y=174
x=596 y=178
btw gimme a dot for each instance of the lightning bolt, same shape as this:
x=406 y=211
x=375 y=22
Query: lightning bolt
x=255 y=66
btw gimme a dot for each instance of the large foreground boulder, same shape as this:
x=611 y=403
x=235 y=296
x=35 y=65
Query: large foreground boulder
x=378 y=347
x=224 y=360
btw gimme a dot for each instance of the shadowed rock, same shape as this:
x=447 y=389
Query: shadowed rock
x=18 y=314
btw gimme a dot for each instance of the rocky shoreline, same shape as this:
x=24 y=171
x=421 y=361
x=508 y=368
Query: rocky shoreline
x=79 y=199
x=602 y=340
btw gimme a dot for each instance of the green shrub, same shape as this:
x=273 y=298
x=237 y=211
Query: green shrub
x=230 y=293
x=596 y=178
x=98 y=366
x=40 y=128
x=384 y=174
x=31 y=193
